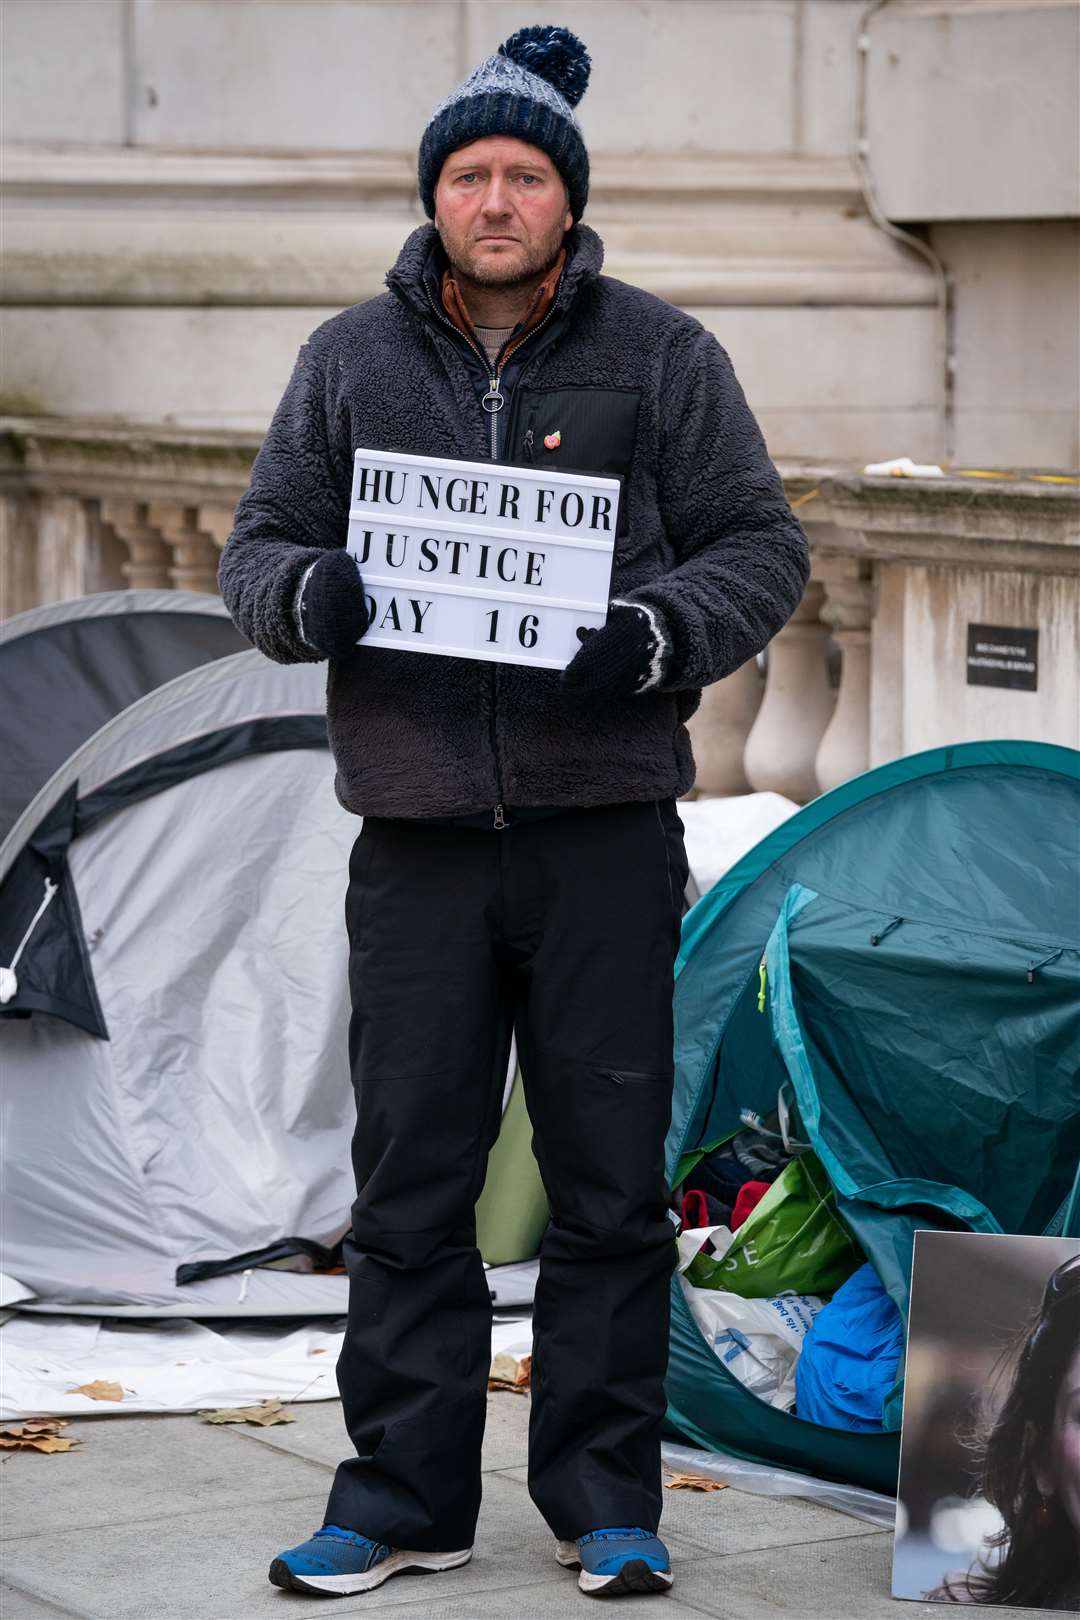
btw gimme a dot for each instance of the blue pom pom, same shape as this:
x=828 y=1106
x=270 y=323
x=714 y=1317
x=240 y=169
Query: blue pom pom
x=555 y=54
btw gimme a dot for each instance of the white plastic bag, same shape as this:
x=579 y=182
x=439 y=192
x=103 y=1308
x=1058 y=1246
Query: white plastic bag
x=758 y=1340
x=694 y=1239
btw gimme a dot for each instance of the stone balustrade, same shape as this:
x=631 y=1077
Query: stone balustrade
x=872 y=665
x=874 y=662
x=93 y=507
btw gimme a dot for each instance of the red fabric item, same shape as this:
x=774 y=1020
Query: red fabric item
x=750 y=1195
x=694 y=1213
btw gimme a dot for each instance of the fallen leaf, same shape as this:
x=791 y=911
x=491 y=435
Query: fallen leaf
x=507 y=1372
x=271 y=1411
x=320 y=1350
x=100 y=1390
x=36 y=1434
x=34 y=1426
x=693 y=1482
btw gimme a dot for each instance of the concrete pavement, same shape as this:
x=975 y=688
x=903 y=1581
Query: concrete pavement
x=170 y=1518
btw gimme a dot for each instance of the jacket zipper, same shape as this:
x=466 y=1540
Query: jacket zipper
x=497 y=399
x=494 y=393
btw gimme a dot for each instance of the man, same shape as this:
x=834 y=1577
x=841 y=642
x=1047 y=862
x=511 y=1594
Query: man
x=520 y=867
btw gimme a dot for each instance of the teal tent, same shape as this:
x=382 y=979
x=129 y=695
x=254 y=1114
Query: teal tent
x=919 y=931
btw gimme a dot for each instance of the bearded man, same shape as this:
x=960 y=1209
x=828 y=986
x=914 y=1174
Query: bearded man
x=520 y=868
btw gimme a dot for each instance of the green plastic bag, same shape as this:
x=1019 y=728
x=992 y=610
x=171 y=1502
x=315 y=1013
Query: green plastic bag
x=791 y=1242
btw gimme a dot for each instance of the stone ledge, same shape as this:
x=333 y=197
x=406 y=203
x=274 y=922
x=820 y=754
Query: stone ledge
x=116 y=170
x=1015 y=520
x=132 y=227
x=1019 y=521
x=49 y=455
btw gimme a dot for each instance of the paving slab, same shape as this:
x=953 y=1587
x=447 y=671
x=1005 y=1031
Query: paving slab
x=18 y=1605
x=846 y=1579
x=506 y=1435
x=319 y=1432
x=211 y=1564
x=734 y=1521
x=144 y=1468
x=167 y=1518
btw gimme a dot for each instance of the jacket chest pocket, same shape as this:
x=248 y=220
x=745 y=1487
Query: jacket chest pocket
x=585 y=430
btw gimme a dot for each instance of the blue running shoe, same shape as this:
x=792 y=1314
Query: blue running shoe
x=616 y=1562
x=337 y=1562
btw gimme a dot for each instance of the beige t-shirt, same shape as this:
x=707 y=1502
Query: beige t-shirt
x=493 y=338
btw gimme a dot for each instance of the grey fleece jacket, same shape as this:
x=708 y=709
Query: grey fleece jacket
x=637 y=389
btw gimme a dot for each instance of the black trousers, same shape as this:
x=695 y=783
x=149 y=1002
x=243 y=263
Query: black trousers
x=563 y=930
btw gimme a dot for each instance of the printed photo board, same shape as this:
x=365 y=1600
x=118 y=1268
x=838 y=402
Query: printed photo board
x=988 y=1506
x=478 y=560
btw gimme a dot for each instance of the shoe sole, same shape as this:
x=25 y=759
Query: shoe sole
x=635 y=1575
x=398 y=1563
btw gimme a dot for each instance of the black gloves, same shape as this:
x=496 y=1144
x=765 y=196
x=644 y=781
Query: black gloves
x=628 y=654
x=331 y=609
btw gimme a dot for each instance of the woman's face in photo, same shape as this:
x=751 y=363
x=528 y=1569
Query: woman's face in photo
x=1064 y=1473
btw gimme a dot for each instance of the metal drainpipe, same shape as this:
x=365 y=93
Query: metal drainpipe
x=946 y=309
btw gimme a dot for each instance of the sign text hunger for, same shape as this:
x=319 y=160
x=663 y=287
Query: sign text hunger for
x=479 y=560
x=498 y=499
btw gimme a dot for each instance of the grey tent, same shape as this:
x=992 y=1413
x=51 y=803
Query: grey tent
x=178 y=1099
x=68 y=667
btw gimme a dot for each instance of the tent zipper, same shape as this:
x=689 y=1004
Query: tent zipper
x=883 y=933
x=1034 y=967
x=9 y=981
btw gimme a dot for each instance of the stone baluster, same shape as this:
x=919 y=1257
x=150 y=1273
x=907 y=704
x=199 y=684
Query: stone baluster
x=194 y=560
x=798 y=702
x=148 y=555
x=217 y=522
x=55 y=547
x=19 y=566
x=845 y=747
x=719 y=730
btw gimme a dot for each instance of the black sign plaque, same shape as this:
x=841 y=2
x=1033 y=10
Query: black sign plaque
x=1002 y=655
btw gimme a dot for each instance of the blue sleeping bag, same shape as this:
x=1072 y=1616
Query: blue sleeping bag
x=850 y=1356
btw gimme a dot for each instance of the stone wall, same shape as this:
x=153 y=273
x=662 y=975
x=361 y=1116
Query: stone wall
x=193 y=185
x=190 y=186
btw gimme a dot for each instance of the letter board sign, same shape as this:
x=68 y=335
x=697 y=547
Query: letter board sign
x=479 y=560
x=1000 y=655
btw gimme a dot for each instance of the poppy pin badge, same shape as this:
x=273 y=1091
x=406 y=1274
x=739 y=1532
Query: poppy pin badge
x=552 y=441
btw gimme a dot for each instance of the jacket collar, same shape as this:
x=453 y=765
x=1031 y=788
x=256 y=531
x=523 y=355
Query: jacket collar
x=454 y=304
x=417 y=275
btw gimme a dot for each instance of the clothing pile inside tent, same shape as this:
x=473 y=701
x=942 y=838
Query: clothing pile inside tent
x=779 y=1287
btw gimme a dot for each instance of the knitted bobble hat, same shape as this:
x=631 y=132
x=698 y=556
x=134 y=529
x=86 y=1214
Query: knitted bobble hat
x=529 y=88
